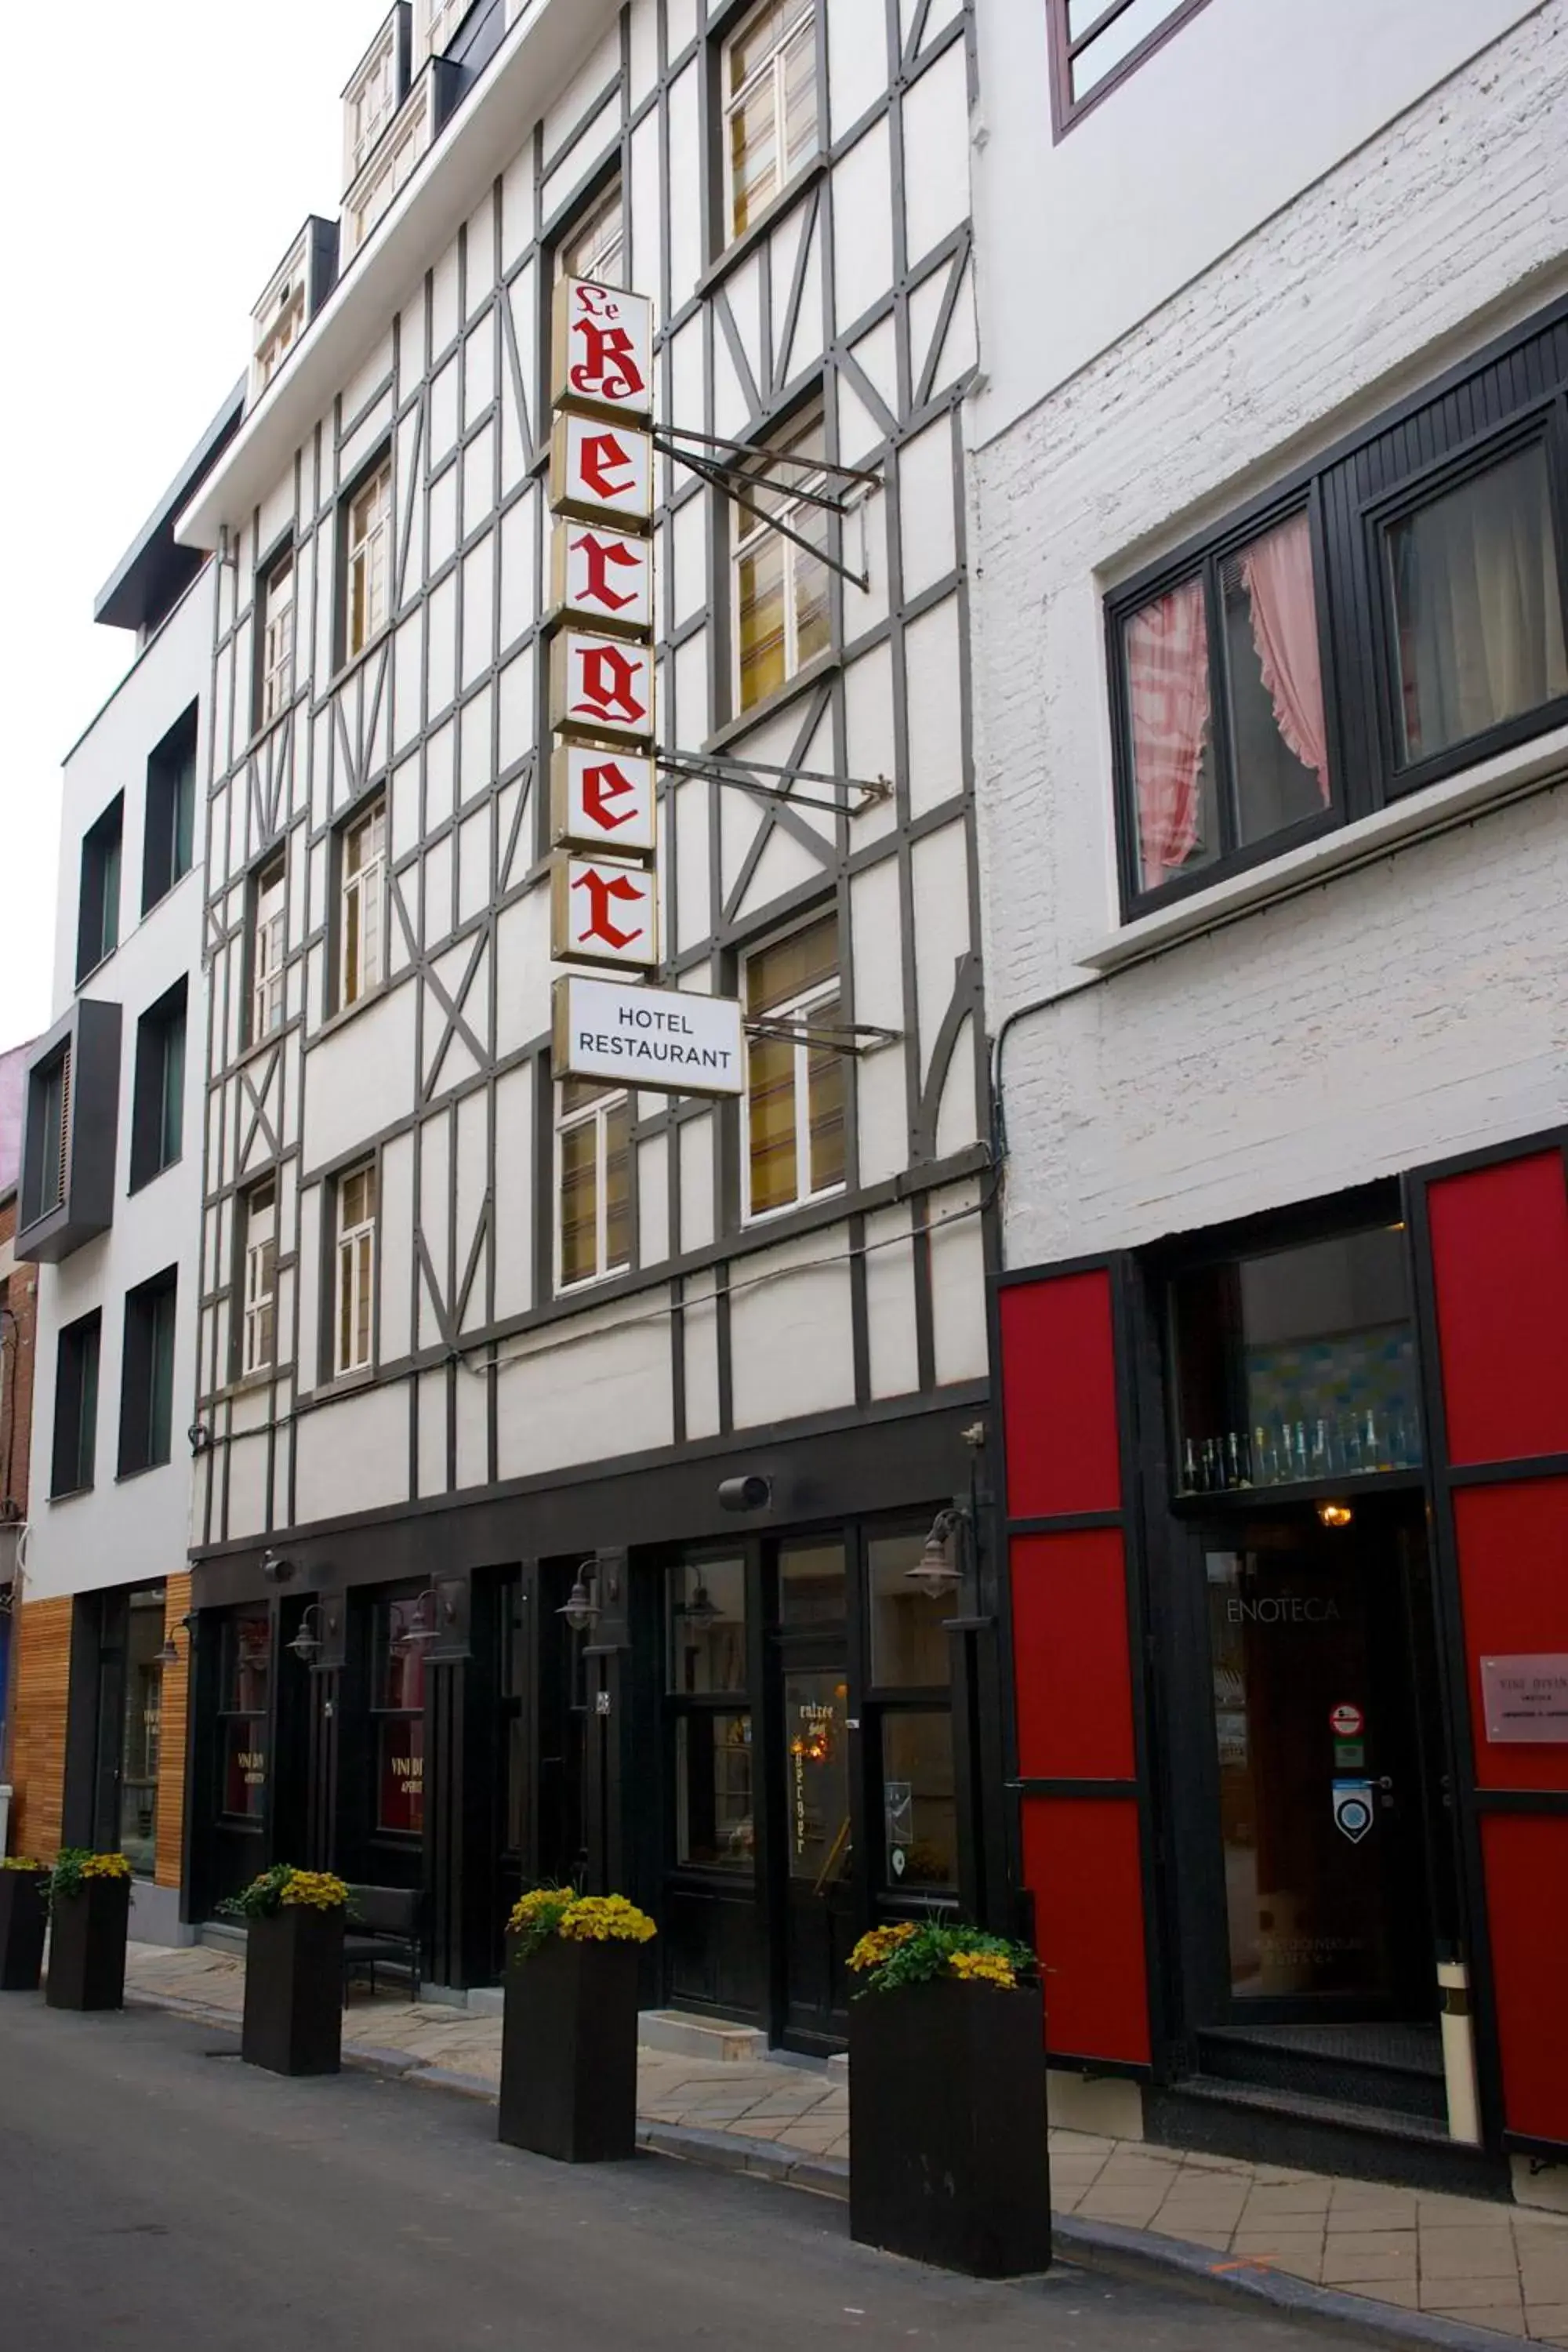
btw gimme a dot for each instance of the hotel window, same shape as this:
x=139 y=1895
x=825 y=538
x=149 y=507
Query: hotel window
x=258 y=1347
x=403 y=1634
x=281 y=333
x=708 y=1678
x=1390 y=618
x=168 y=841
x=435 y=21
x=795 y=1078
x=158 y=1107
x=147 y=1375
x=769 y=75
x=392 y=165
x=361 y=904
x=595 y=246
x=370 y=102
x=76 y=1406
x=274 y=640
x=367 y=559
x=354 y=1317
x=1095 y=44
x=782 y=614
x=268 y=947
x=97 y=923
x=594 y=1149
x=244 y=1693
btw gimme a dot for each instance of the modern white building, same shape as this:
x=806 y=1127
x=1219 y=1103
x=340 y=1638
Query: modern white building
x=109 y=1206
x=1269 y=516
x=571 y=1443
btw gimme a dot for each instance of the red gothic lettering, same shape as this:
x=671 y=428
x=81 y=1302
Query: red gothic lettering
x=609 y=685
x=607 y=370
x=601 y=553
x=602 y=889
x=602 y=785
x=602 y=454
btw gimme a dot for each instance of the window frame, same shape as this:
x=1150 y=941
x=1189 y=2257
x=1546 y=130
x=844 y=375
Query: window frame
x=409 y=1597
x=1512 y=393
x=228 y=1713
x=727 y=237
x=349 y=890
x=265 y=671
x=583 y=217
x=380 y=468
x=1068 y=111
x=81 y=1341
x=43 y=1194
x=681 y=1707
x=795 y=1008
x=343 y=1244
x=169 y=814
x=252 y=1301
x=596 y=1112
x=147 y=1417
x=747 y=529
x=155 y=1148
x=101 y=886
x=273 y=979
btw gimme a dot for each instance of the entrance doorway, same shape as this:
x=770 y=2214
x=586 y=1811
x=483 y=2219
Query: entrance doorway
x=1323 y=1876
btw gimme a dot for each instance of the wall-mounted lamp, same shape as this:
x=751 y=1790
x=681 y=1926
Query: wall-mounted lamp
x=311 y=1639
x=169 y=1656
x=937 y=1572
x=200 y=1436
x=581 y=1609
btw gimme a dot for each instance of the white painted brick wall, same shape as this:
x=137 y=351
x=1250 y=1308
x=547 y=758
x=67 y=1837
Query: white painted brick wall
x=1416 y=1008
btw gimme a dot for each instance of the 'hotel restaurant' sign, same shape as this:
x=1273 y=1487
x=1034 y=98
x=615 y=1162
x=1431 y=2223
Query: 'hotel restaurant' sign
x=604 y=904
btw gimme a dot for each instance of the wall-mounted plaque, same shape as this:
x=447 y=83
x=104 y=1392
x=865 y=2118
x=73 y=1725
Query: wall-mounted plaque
x=1526 y=1698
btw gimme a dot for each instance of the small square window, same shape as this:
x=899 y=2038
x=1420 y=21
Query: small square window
x=147 y=1375
x=769 y=74
x=1478 y=616
x=782 y=611
x=794 y=1073
x=169 y=834
x=594 y=1150
x=158 y=1110
x=1095 y=44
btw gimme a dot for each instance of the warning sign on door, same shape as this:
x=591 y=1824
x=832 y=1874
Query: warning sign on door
x=1346 y=1720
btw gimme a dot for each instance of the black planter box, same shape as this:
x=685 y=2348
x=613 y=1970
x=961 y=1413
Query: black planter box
x=947 y=2127
x=294 y=1992
x=87 y=1946
x=569 y=2052
x=23 y=1917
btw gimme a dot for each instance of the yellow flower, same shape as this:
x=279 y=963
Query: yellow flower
x=606 y=1919
x=879 y=1944
x=106 y=1865
x=22 y=1861
x=313 y=1890
x=984 y=1968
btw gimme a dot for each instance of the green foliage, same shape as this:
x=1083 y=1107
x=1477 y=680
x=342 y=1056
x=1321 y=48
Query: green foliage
x=262 y=1897
x=76 y=1866
x=918 y=1952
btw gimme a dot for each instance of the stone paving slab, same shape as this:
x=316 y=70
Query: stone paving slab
x=1405 y=2252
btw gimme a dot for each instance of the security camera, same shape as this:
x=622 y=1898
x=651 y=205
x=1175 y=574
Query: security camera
x=276 y=1569
x=745 y=1493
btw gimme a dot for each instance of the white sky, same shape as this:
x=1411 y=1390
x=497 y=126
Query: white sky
x=150 y=191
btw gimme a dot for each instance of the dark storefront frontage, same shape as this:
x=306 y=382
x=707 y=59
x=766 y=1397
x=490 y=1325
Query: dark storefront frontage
x=1286 y=1511
x=755 y=1721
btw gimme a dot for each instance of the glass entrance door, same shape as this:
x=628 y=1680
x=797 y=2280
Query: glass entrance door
x=1323 y=1778
x=818 y=1875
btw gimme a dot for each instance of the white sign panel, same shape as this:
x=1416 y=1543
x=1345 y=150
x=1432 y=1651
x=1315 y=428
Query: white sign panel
x=601 y=347
x=601 y=472
x=601 y=799
x=1526 y=1699
x=603 y=577
x=601 y=686
x=601 y=912
x=648 y=1036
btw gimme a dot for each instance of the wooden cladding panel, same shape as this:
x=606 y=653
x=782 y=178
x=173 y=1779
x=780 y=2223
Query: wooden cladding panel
x=172 y=1743
x=38 y=1742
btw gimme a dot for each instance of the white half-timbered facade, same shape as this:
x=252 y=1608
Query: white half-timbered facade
x=472 y=1335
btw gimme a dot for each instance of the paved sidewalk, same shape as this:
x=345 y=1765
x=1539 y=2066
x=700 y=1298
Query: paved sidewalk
x=1479 y=2264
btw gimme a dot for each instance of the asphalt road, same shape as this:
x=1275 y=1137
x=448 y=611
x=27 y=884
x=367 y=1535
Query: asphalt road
x=155 y=2193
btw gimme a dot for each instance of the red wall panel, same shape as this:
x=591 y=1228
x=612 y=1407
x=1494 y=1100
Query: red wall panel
x=1081 y=1864
x=1058 y=1396
x=1512 y=1543
x=1500 y=1259
x=1070 y=1655
x=1525 y=1857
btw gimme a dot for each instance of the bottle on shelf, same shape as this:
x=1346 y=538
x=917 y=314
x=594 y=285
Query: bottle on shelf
x=1189 y=1468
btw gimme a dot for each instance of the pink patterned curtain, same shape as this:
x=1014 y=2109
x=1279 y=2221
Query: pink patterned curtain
x=1277 y=572
x=1168 y=697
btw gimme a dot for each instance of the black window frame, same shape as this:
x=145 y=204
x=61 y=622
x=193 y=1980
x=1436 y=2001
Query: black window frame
x=78 y=1354
x=147 y=1408
x=283 y=549
x=418 y=1602
x=151 y=1138
x=98 y=897
x=1508 y=398
x=169 y=819
x=679 y=1707
x=230 y=1712
x=1067 y=110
